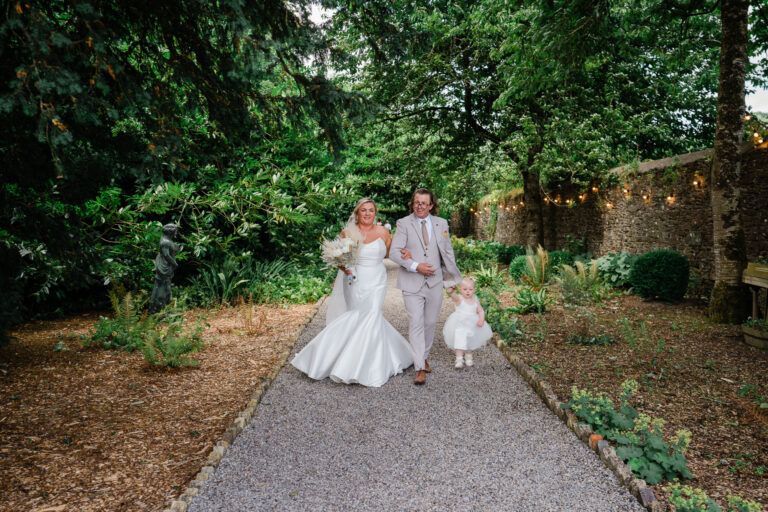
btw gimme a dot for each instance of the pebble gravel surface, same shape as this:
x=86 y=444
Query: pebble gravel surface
x=471 y=439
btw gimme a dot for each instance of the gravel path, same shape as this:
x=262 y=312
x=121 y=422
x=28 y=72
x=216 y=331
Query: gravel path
x=475 y=439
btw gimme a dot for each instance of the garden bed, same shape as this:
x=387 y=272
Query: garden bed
x=91 y=429
x=693 y=374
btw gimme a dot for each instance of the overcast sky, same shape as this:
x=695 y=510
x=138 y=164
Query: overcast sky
x=758 y=102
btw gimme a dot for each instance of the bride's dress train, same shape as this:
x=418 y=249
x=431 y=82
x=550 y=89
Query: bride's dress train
x=360 y=346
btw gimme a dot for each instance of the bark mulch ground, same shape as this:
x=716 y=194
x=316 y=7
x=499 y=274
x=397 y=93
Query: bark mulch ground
x=695 y=375
x=91 y=429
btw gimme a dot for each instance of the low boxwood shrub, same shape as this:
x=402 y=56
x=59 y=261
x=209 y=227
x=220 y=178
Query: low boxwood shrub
x=662 y=273
x=517 y=266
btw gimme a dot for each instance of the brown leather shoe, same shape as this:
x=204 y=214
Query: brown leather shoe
x=421 y=378
x=426 y=367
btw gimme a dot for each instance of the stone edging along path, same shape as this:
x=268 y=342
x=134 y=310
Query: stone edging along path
x=181 y=504
x=637 y=487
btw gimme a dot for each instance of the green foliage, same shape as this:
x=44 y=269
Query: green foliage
x=517 y=267
x=689 y=499
x=638 y=437
x=168 y=347
x=531 y=301
x=488 y=276
x=128 y=326
x=261 y=281
x=580 y=285
x=662 y=273
x=602 y=339
x=301 y=285
x=471 y=254
x=537 y=269
x=502 y=320
x=756 y=323
x=739 y=504
x=559 y=258
x=615 y=268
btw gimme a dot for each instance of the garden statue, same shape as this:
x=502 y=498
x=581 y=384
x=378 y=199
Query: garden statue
x=165 y=264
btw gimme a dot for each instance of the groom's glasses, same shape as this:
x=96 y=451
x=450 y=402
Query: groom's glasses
x=419 y=203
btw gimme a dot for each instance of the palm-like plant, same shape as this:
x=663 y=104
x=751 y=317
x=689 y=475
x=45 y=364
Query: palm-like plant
x=580 y=284
x=536 y=271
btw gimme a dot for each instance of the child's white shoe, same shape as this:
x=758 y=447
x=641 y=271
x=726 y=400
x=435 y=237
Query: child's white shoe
x=459 y=363
x=468 y=360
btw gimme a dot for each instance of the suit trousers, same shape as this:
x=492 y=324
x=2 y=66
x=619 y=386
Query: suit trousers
x=423 y=309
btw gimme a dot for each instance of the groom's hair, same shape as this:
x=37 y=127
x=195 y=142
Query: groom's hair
x=432 y=198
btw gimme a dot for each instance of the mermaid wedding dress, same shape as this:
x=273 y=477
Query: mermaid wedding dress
x=359 y=346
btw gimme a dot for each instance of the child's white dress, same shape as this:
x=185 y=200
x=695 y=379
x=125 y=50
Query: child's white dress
x=461 y=332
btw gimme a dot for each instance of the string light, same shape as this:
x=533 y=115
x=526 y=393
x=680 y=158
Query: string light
x=609 y=205
x=594 y=189
x=747 y=117
x=645 y=196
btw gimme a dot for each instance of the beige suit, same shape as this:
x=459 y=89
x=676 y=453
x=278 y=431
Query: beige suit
x=423 y=295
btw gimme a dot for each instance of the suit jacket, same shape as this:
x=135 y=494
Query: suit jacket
x=438 y=253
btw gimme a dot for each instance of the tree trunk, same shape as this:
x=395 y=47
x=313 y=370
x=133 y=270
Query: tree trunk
x=728 y=301
x=534 y=213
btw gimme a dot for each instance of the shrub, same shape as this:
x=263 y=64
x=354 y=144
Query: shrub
x=226 y=281
x=127 y=327
x=536 y=272
x=638 y=436
x=517 y=267
x=662 y=273
x=529 y=300
x=559 y=258
x=169 y=347
x=487 y=276
x=687 y=499
x=507 y=253
x=580 y=285
x=502 y=320
x=615 y=268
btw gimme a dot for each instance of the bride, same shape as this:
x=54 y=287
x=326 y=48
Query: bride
x=358 y=345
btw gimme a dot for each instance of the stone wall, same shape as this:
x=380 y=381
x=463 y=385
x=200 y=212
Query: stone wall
x=661 y=208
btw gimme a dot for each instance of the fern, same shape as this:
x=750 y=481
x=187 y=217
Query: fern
x=537 y=268
x=127 y=327
x=169 y=347
x=578 y=284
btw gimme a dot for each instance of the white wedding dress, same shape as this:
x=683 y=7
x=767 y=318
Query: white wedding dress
x=359 y=346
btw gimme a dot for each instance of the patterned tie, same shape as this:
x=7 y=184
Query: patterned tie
x=424 y=234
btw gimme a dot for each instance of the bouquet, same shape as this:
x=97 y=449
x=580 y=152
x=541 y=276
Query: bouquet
x=340 y=252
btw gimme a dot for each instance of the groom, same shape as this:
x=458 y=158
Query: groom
x=427 y=256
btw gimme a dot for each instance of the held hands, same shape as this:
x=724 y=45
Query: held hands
x=346 y=270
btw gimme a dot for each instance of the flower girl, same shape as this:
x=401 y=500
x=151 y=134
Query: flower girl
x=465 y=330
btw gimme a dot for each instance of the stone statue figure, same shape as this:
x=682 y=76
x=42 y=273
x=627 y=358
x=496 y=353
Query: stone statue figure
x=165 y=265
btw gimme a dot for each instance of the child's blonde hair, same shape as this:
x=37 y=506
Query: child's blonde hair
x=467 y=281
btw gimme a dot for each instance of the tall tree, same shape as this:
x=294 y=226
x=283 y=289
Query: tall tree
x=728 y=300
x=563 y=89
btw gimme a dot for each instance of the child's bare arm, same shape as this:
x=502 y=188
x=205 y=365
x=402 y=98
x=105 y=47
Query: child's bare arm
x=480 y=315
